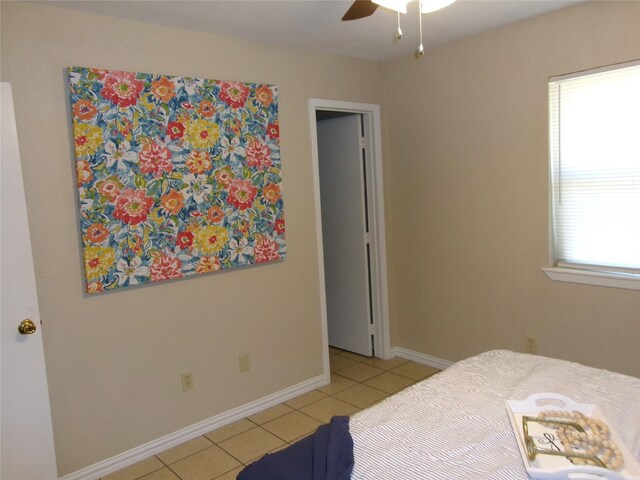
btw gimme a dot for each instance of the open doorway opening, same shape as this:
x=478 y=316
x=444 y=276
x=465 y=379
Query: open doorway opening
x=349 y=198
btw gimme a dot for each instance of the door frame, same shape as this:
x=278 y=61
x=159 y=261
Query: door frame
x=379 y=286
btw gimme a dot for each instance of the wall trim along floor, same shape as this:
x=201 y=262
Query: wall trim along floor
x=110 y=465
x=422 y=358
x=122 y=460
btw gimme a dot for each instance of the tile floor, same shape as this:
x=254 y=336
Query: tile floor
x=357 y=382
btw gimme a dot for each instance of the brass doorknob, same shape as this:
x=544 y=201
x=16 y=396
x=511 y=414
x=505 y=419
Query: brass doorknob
x=26 y=327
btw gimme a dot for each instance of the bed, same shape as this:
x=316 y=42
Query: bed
x=455 y=424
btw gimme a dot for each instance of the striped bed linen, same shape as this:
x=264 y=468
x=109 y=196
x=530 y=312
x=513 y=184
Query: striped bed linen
x=455 y=426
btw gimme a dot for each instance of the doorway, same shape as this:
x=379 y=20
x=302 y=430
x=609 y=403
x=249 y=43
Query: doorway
x=353 y=279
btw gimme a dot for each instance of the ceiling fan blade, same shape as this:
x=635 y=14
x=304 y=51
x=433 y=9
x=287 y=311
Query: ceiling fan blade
x=360 y=9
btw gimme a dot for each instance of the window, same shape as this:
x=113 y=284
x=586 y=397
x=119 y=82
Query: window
x=594 y=133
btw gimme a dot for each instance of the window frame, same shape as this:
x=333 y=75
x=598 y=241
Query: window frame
x=587 y=274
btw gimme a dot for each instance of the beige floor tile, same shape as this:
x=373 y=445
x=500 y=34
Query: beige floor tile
x=137 y=470
x=360 y=372
x=251 y=444
x=353 y=356
x=361 y=396
x=414 y=370
x=385 y=364
x=305 y=399
x=292 y=425
x=162 y=474
x=338 y=362
x=389 y=382
x=184 y=450
x=334 y=349
x=338 y=383
x=270 y=413
x=327 y=408
x=230 y=475
x=230 y=430
x=205 y=465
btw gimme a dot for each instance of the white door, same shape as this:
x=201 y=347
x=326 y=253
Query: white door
x=27 y=437
x=344 y=225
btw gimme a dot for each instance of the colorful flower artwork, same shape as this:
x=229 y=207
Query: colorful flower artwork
x=176 y=176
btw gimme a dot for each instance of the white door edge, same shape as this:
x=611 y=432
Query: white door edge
x=27 y=446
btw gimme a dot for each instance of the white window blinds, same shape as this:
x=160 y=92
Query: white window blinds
x=595 y=168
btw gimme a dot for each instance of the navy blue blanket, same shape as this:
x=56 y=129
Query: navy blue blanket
x=325 y=455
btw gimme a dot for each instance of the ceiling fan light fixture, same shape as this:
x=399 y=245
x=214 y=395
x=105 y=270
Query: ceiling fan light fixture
x=395 y=5
x=429 y=6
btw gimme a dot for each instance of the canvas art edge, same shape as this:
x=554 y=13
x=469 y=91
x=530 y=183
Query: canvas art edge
x=176 y=176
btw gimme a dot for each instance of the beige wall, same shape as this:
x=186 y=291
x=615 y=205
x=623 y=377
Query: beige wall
x=114 y=360
x=468 y=221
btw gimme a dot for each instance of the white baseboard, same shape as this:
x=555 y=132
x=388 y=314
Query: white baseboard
x=100 y=469
x=422 y=358
x=122 y=460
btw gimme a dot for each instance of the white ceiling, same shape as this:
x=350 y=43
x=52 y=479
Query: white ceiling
x=317 y=25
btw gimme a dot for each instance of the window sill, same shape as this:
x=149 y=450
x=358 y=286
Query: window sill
x=573 y=275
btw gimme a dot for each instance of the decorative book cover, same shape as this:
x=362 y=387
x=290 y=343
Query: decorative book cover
x=176 y=176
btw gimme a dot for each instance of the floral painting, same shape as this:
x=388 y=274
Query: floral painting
x=176 y=176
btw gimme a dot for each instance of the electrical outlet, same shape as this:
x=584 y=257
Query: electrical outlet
x=245 y=363
x=187 y=381
x=531 y=345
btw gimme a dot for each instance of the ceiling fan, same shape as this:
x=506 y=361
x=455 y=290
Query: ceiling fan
x=364 y=8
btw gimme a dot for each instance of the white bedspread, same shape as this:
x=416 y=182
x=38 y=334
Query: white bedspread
x=454 y=426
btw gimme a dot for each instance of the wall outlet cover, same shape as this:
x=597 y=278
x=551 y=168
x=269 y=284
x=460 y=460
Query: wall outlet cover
x=187 y=381
x=245 y=363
